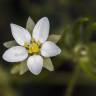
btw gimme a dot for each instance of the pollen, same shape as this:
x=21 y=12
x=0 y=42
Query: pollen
x=32 y=48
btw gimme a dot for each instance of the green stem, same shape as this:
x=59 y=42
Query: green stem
x=73 y=80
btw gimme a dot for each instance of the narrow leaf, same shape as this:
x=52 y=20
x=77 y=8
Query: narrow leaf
x=30 y=25
x=15 y=69
x=66 y=40
x=88 y=63
x=90 y=30
x=54 y=38
x=78 y=30
x=23 y=68
x=48 y=64
x=10 y=44
x=20 y=68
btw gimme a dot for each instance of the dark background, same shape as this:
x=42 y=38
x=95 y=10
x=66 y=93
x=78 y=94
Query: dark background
x=60 y=13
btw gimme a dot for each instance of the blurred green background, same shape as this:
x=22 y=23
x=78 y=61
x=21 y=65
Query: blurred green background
x=61 y=13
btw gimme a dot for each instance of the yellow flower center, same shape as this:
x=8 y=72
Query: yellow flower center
x=33 y=47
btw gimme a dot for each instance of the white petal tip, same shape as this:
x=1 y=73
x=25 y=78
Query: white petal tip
x=11 y=24
x=3 y=56
x=45 y=18
x=36 y=73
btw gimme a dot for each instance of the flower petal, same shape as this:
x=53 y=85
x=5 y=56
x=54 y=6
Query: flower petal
x=50 y=49
x=20 y=34
x=35 y=64
x=15 y=54
x=41 y=30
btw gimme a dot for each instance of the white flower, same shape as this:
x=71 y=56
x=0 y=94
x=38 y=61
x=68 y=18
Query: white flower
x=34 y=48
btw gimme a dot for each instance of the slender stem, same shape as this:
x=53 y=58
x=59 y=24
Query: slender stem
x=72 y=82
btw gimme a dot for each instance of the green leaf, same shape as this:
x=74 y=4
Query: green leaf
x=54 y=38
x=66 y=38
x=30 y=25
x=88 y=63
x=20 y=68
x=23 y=68
x=78 y=30
x=15 y=69
x=92 y=48
x=89 y=30
x=48 y=64
x=10 y=44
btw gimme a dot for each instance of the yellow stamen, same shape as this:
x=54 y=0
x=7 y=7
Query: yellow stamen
x=33 y=47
